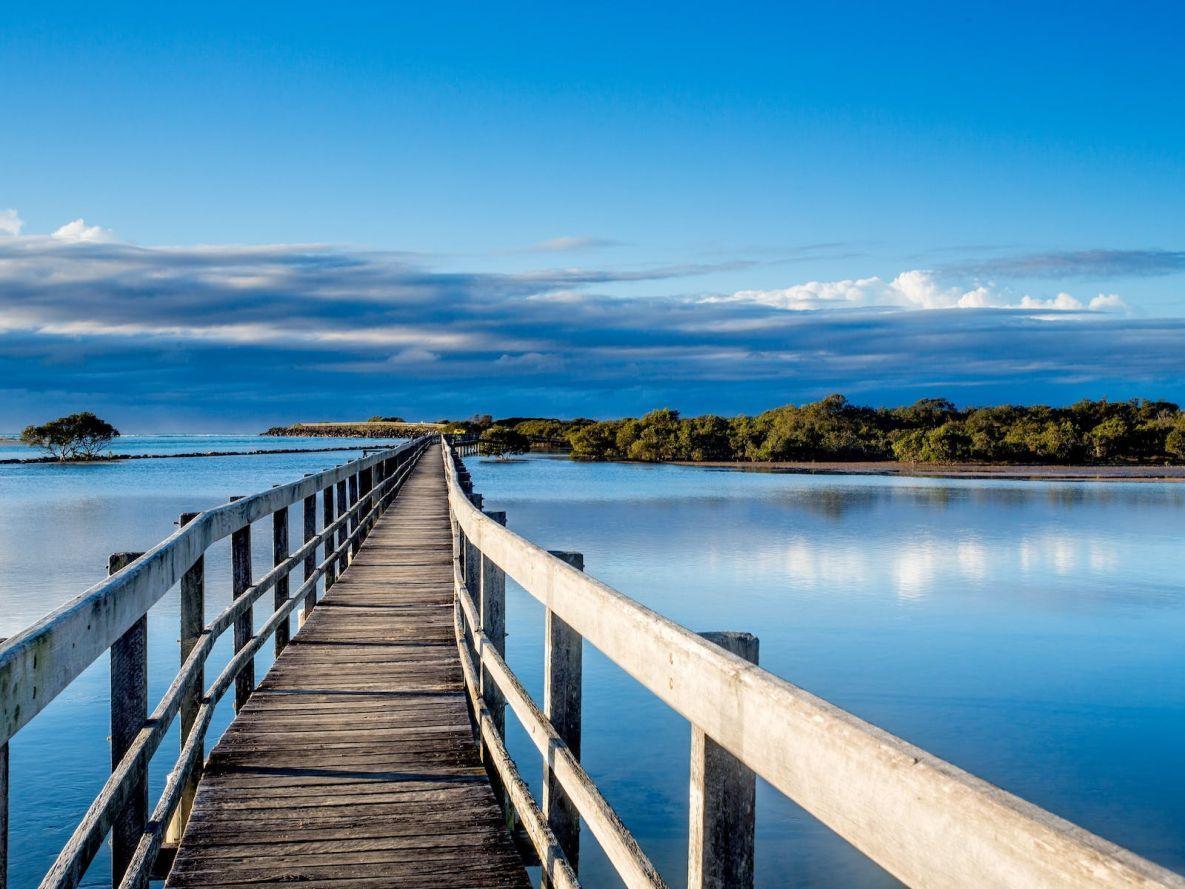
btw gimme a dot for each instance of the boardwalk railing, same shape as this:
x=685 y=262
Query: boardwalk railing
x=40 y=662
x=920 y=818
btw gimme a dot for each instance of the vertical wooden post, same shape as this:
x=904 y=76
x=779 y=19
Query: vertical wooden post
x=353 y=523
x=470 y=565
x=723 y=793
x=562 y=693
x=327 y=517
x=366 y=485
x=310 y=561
x=280 y=590
x=193 y=624
x=129 y=712
x=492 y=609
x=240 y=558
x=342 y=532
x=3 y=811
x=3 y=814
x=490 y=581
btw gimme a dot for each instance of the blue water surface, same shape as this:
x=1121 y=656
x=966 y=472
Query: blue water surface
x=1029 y=632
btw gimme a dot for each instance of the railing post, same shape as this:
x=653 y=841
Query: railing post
x=470 y=564
x=491 y=604
x=240 y=558
x=3 y=814
x=366 y=485
x=328 y=514
x=562 y=692
x=3 y=811
x=353 y=522
x=310 y=561
x=129 y=712
x=723 y=793
x=193 y=624
x=280 y=591
x=343 y=560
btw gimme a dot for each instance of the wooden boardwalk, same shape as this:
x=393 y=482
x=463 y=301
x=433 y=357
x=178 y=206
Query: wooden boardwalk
x=354 y=763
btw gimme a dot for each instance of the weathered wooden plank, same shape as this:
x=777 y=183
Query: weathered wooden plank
x=353 y=762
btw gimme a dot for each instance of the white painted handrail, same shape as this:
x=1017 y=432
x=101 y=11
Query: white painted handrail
x=631 y=863
x=924 y=820
x=40 y=661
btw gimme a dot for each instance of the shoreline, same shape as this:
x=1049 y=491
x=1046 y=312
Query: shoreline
x=116 y=458
x=1002 y=471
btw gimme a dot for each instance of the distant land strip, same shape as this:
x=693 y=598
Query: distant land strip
x=835 y=431
x=362 y=429
x=114 y=458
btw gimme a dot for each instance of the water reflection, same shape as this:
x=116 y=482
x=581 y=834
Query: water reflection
x=1030 y=632
x=1027 y=631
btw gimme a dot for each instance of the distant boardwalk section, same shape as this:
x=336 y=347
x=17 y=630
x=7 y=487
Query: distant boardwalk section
x=354 y=761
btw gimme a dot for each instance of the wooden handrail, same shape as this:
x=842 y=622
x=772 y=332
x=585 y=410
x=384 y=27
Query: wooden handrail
x=623 y=851
x=924 y=820
x=38 y=663
x=555 y=866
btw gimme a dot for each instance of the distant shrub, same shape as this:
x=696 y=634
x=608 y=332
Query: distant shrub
x=80 y=436
x=500 y=441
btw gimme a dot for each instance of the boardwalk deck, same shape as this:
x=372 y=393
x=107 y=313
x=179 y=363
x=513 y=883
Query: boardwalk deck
x=353 y=763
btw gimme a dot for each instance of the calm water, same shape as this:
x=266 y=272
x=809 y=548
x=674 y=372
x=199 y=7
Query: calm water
x=1029 y=632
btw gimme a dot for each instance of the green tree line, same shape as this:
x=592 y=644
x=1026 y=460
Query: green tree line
x=932 y=430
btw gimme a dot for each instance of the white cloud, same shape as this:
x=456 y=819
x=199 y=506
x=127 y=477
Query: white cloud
x=568 y=244
x=10 y=222
x=78 y=230
x=914 y=289
x=1108 y=302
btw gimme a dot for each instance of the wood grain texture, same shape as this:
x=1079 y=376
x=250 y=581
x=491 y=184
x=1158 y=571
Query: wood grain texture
x=353 y=763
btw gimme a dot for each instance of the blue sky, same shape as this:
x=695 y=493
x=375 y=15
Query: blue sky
x=302 y=211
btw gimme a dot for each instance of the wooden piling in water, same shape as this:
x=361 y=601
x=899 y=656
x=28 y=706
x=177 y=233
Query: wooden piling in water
x=355 y=542
x=723 y=795
x=310 y=561
x=240 y=558
x=491 y=600
x=129 y=712
x=280 y=591
x=343 y=561
x=193 y=622
x=3 y=812
x=563 y=668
